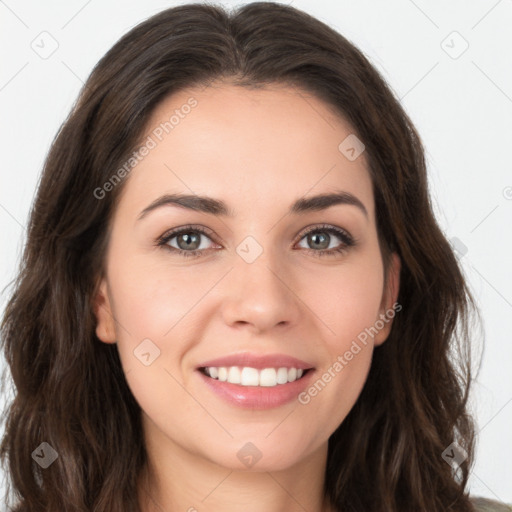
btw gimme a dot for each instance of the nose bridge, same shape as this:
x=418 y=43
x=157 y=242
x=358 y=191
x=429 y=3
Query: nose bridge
x=258 y=292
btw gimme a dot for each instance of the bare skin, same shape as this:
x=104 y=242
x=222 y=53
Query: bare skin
x=258 y=151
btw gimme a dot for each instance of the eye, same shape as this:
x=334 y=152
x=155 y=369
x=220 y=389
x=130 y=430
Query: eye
x=188 y=240
x=320 y=237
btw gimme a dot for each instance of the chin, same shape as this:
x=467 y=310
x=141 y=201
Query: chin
x=258 y=455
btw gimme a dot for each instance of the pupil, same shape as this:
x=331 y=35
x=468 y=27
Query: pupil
x=315 y=237
x=189 y=240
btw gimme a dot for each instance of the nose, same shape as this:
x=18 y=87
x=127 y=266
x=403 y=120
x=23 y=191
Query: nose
x=261 y=296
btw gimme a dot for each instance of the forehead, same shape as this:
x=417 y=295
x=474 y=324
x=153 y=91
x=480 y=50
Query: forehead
x=269 y=146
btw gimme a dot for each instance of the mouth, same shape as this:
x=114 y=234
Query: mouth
x=256 y=381
x=255 y=377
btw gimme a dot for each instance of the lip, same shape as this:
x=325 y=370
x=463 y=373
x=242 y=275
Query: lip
x=257 y=397
x=258 y=361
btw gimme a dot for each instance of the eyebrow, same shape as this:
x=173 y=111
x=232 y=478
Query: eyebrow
x=213 y=206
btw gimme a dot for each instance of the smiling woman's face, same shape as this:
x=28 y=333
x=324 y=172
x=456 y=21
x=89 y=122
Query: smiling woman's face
x=256 y=283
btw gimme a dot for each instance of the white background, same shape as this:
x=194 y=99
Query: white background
x=461 y=106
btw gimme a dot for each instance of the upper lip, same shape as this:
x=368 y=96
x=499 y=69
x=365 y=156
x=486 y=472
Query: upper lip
x=258 y=361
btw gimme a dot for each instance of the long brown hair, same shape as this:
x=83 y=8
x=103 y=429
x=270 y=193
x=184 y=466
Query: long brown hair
x=70 y=390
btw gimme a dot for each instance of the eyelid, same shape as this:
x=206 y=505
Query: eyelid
x=327 y=227
x=171 y=233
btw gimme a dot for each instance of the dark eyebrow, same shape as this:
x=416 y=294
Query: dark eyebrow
x=323 y=201
x=217 y=207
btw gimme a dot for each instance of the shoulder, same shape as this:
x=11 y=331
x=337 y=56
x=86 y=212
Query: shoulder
x=487 y=505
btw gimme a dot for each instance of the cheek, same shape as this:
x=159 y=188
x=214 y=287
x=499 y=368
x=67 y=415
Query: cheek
x=161 y=304
x=348 y=304
x=348 y=300
x=150 y=300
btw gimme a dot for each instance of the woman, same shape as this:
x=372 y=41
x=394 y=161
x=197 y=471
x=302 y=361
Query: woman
x=177 y=338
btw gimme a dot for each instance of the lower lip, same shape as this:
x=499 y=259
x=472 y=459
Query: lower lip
x=258 y=397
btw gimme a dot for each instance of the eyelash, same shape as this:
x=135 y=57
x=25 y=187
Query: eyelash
x=347 y=240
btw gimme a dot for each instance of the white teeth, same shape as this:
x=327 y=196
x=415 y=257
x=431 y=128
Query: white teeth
x=223 y=374
x=282 y=376
x=234 y=375
x=268 y=377
x=247 y=376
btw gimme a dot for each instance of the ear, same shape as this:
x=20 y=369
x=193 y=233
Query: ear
x=389 y=306
x=105 y=325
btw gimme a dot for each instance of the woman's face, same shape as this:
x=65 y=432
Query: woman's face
x=254 y=284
